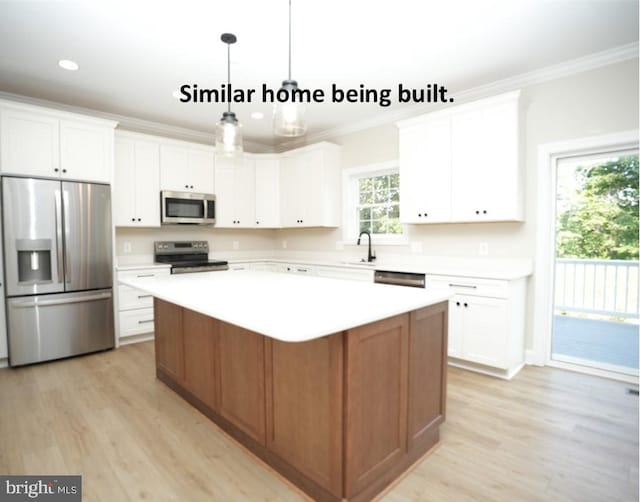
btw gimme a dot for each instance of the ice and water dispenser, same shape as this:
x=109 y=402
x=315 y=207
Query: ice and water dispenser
x=34 y=261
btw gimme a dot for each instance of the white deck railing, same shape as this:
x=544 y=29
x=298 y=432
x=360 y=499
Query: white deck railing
x=607 y=287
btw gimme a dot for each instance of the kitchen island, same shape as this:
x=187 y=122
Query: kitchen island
x=340 y=386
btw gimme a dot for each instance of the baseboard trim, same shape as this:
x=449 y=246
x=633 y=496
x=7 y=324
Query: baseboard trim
x=145 y=337
x=507 y=374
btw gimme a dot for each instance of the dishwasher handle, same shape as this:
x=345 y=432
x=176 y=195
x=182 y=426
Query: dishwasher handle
x=399 y=278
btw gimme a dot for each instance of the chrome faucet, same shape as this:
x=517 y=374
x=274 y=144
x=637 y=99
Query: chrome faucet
x=370 y=255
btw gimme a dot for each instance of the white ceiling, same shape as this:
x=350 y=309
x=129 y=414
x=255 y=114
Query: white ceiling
x=134 y=54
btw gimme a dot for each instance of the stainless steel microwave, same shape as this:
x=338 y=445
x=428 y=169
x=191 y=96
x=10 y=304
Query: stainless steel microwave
x=187 y=208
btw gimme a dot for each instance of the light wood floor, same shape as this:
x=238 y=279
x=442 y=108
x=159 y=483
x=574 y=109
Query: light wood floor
x=546 y=435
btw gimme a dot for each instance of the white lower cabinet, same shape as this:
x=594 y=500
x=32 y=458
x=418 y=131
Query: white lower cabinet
x=135 y=308
x=486 y=323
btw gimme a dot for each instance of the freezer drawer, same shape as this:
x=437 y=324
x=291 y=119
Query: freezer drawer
x=46 y=327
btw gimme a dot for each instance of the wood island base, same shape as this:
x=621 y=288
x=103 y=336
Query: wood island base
x=340 y=416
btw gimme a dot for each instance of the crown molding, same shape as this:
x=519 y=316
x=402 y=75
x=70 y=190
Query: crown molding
x=133 y=124
x=560 y=70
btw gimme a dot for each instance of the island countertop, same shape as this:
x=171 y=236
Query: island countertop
x=285 y=307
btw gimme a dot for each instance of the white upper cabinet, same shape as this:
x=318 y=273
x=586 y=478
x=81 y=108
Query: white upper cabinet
x=29 y=143
x=267 y=184
x=485 y=164
x=310 y=188
x=86 y=151
x=425 y=172
x=235 y=192
x=136 y=190
x=462 y=164
x=187 y=168
x=41 y=142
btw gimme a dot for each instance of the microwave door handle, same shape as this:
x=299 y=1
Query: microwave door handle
x=204 y=209
x=58 y=216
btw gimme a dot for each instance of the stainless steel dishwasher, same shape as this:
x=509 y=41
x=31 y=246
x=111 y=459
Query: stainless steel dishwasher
x=399 y=278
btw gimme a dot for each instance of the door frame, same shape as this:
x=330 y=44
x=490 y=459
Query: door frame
x=548 y=155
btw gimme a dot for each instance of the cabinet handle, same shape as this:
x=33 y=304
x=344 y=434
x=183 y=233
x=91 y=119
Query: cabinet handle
x=139 y=219
x=303 y=270
x=466 y=305
x=64 y=170
x=458 y=304
x=257 y=223
x=145 y=296
x=186 y=186
x=191 y=186
x=419 y=215
x=484 y=211
x=477 y=212
x=133 y=219
x=146 y=275
x=145 y=322
x=452 y=285
x=55 y=170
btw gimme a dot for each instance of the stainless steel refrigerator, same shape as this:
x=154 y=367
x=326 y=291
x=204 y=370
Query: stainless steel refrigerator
x=58 y=273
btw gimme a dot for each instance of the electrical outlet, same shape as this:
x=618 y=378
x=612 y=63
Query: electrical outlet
x=284 y=244
x=484 y=249
x=126 y=247
x=236 y=245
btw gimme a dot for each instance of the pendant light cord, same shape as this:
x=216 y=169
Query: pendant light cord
x=229 y=78
x=289 y=39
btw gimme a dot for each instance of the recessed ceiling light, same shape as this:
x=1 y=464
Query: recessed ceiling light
x=257 y=115
x=68 y=64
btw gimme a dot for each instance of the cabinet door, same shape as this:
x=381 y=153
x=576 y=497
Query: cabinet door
x=267 y=193
x=200 y=348
x=174 y=168
x=29 y=144
x=290 y=193
x=304 y=407
x=241 y=390
x=486 y=330
x=244 y=194
x=225 y=204
x=147 y=183
x=169 y=343
x=201 y=171
x=425 y=172
x=85 y=151
x=376 y=414
x=124 y=183
x=456 y=327
x=485 y=163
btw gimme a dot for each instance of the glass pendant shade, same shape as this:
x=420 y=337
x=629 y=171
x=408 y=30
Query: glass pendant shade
x=228 y=135
x=289 y=118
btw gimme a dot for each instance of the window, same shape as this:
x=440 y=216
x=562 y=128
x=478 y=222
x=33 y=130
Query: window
x=372 y=202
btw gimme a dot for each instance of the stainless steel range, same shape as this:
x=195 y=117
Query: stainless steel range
x=187 y=256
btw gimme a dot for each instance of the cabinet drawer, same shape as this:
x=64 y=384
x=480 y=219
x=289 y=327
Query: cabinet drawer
x=130 y=298
x=492 y=288
x=144 y=272
x=136 y=322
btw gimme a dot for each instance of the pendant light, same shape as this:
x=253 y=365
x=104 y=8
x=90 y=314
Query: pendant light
x=288 y=117
x=228 y=130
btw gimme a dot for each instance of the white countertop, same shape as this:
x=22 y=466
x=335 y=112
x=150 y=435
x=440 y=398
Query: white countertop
x=286 y=307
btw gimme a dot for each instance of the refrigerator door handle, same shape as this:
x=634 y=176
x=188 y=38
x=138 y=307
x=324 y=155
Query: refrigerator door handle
x=67 y=226
x=62 y=301
x=58 y=203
